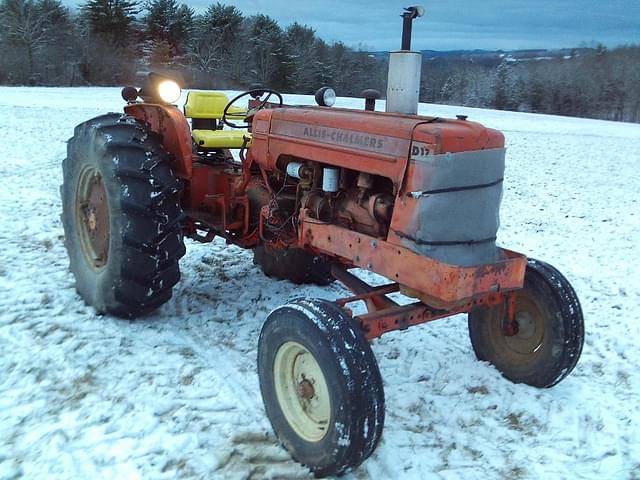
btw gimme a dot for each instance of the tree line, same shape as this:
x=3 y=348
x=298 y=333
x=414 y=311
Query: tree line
x=590 y=82
x=111 y=42
x=114 y=42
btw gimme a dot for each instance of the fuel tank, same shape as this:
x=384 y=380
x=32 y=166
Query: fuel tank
x=447 y=173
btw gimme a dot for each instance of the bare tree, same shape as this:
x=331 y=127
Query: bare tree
x=25 y=26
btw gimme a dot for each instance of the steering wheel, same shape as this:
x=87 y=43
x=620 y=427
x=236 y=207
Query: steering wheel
x=256 y=94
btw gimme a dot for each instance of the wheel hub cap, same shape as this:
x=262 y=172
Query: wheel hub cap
x=302 y=391
x=529 y=328
x=306 y=390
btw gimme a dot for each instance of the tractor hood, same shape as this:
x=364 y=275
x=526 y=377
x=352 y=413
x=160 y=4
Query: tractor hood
x=374 y=142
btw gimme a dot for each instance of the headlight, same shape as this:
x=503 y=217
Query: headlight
x=326 y=97
x=169 y=91
x=129 y=94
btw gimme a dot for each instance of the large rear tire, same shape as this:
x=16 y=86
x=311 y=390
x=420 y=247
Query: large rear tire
x=121 y=214
x=321 y=386
x=545 y=343
x=293 y=264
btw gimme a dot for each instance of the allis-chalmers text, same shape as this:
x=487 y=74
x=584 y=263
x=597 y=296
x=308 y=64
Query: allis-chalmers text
x=345 y=138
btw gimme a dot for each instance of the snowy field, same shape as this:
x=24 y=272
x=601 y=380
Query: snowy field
x=176 y=395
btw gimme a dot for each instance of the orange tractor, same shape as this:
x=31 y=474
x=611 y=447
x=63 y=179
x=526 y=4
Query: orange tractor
x=317 y=192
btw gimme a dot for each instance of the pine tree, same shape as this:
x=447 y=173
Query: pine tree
x=167 y=27
x=505 y=97
x=267 y=52
x=111 y=19
x=216 y=41
x=305 y=66
x=109 y=41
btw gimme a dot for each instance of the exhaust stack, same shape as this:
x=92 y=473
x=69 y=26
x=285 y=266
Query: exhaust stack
x=403 y=84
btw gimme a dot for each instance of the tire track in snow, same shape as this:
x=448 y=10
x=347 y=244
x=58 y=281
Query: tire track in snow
x=91 y=397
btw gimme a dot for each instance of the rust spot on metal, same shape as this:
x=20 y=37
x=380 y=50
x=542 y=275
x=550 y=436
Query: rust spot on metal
x=444 y=285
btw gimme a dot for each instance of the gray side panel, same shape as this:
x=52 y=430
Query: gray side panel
x=461 y=169
x=461 y=254
x=457 y=214
x=460 y=216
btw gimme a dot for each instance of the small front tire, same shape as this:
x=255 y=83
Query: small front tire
x=320 y=385
x=545 y=344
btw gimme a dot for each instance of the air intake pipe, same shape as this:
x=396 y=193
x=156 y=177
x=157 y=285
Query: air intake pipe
x=403 y=84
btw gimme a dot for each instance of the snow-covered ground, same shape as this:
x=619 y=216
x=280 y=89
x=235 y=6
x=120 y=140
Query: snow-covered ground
x=176 y=395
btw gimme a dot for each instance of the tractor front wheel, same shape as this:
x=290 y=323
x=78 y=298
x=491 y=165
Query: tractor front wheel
x=543 y=343
x=121 y=213
x=321 y=386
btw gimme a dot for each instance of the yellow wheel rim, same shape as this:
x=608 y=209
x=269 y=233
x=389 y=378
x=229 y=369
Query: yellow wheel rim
x=530 y=335
x=92 y=218
x=302 y=391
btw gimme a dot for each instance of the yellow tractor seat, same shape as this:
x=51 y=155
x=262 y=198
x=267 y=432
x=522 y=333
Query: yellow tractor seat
x=210 y=105
x=221 y=138
x=205 y=109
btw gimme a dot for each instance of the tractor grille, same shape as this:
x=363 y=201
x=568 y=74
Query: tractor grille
x=456 y=203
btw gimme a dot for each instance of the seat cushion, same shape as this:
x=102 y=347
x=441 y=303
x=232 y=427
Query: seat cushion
x=220 y=138
x=210 y=105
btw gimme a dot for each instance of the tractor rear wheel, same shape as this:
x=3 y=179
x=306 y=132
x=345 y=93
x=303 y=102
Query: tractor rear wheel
x=121 y=213
x=293 y=264
x=320 y=385
x=544 y=344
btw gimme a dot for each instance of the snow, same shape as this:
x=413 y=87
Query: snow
x=176 y=395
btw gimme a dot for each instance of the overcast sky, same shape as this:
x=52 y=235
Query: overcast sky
x=457 y=24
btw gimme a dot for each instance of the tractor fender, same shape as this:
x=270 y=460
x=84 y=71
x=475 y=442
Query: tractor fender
x=172 y=125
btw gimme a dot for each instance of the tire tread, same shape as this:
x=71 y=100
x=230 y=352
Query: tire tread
x=151 y=240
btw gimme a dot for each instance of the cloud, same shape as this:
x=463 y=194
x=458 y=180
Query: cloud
x=457 y=24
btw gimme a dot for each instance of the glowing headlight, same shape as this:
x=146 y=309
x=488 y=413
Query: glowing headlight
x=326 y=97
x=169 y=91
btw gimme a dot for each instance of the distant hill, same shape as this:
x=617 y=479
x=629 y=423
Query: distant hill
x=515 y=55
